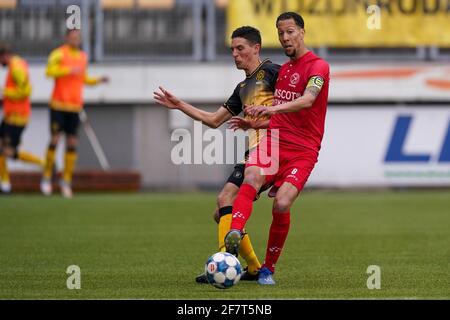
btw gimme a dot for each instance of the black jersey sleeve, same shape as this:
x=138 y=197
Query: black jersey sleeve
x=234 y=103
x=272 y=70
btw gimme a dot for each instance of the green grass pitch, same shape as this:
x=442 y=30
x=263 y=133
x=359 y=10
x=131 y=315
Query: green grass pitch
x=151 y=246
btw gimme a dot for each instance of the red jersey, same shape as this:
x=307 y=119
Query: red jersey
x=306 y=127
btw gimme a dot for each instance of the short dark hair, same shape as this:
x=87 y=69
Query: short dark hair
x=249 y=33
x=5 y=48
x=292 y=15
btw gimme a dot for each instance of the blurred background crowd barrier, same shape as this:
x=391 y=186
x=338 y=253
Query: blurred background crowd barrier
x=388 y=122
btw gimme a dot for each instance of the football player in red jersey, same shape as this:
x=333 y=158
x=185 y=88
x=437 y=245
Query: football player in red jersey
x=295 y=132
x=257 y=88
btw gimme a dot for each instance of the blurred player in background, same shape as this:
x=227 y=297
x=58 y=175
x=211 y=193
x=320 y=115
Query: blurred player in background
x=68 y=66
x=257 y=88
x=16 y=113
x=301 y=97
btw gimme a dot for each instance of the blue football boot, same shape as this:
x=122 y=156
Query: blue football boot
x=265 y=277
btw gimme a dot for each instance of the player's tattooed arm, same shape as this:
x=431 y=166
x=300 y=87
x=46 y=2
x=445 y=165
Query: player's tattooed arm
x=307 y=100
x=314 y=86
x=313 y=90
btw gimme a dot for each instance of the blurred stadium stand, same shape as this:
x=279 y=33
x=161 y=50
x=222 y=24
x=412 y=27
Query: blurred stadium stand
x=155 y=30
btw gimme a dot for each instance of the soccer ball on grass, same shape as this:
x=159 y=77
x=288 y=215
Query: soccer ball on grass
x=223 y=270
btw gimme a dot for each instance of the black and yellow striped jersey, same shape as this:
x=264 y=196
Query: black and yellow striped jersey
x=256 y=89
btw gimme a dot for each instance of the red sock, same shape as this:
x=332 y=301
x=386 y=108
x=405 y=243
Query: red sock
x=277 y=236
x=242 y=206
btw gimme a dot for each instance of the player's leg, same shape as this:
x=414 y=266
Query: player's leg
x=56 y=127
x=10 y=141
x=49 y=164
x=255 y=176
x=25 y=156
x=279 y=229
x=216 y=215
x=70 y=156
x=5 y=185
x=225 y=200
x=222 y=216
x=4 y=176
x=225 y=204
x=8 y=152
x=29 y=157
x=242 y=207
x=292 y=178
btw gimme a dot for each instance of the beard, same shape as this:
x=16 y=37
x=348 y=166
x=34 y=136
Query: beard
x=290 y=55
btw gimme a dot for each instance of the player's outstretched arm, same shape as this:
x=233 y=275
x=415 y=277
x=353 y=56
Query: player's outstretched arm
x=236 y=123
x=211 y=119
x=92 y=81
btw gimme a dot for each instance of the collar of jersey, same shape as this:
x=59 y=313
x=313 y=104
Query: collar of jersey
x=257 y=69
x=303 y=57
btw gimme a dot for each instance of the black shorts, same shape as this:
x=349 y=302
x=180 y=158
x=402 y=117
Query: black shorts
x=62 y=121
x=10 y=134
x=237 y=177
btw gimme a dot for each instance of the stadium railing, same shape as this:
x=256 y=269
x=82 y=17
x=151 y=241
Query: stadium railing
x=145 y=31
x=154 y=30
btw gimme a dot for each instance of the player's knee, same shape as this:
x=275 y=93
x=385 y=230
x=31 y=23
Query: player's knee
x=10 y=152
x=253 y=178
x=72 y=138
x=225 y=198
x=282 y=204
x=54 y=141
x=71 y=148
x=72 y=142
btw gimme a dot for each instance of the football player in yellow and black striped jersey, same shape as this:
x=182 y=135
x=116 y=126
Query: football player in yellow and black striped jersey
x=16 y=114
x=67 y=65
x=256 y=89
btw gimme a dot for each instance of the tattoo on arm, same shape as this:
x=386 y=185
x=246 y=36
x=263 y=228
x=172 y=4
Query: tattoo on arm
x=314 y=86
x=314 y=91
